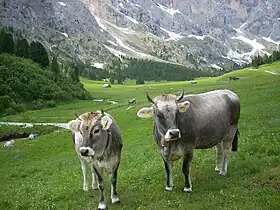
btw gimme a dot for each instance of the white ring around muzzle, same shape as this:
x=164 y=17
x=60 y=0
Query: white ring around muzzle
x=87 y=151
x=172 y=134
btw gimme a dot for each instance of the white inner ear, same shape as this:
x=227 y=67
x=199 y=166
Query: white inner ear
x=74 y=125
x=106 y=122
x=184 y=106
x=145 y=112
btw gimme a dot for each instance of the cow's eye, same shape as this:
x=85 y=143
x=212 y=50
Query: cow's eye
x=96 y=131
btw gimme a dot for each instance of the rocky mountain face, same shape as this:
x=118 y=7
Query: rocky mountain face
x=205 y=33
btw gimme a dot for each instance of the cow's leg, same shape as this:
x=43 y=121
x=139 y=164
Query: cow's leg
x=226 y=148
x=84 y=170
x=102 y=198
x=227 y=144
x=94 y=182
x=186 y=170
x=169 y=178
x=220 y=158
x=113 y=180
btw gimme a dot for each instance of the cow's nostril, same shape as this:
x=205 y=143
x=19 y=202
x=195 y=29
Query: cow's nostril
x=174 y=134
x=84 y=152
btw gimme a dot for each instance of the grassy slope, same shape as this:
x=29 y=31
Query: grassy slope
x=48 y=175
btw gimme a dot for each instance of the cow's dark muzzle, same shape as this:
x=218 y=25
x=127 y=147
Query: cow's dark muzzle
x=84 y=151
x=174 y=134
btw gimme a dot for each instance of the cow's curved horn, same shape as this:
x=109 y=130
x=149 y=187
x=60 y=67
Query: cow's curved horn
x=102 y=112
x=149 y=97
x=181 y=95
x=77 y=116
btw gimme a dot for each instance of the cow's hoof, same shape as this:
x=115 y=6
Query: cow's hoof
x=222 y=173
x=101 y=206
x=187 y=190
x=95 y=188
x=85 y=188
x=217 y=169
x=116 y=200
x=169 y=189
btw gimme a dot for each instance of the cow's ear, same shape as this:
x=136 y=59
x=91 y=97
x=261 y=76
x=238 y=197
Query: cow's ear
x=183 y=107
x=74 y=125
x=145 y=112
x=106 y=122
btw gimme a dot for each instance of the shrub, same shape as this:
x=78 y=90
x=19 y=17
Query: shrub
x=24 y=82
x=50 y=104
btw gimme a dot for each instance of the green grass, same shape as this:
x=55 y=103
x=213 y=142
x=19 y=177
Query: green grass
x=48 y=174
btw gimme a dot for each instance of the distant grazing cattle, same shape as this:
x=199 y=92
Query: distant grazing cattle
x=132 y=101
x=185 y=123
x=193 y=82
x=98 y=140
x=234 y=78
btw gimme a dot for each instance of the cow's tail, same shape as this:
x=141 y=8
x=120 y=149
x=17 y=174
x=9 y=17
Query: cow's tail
x=235 y=141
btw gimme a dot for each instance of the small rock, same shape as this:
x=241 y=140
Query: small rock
x=33 y=136
x=9 y=144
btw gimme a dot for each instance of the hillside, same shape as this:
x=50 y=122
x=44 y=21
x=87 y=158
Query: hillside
x=253 y=175
x=208 y=34
x=25 y=85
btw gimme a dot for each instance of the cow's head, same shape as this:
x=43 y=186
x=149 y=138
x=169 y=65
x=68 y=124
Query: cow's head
x=165 y=111
x=94 y=128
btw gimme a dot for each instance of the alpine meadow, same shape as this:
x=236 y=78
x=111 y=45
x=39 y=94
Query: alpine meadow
x=45 y=173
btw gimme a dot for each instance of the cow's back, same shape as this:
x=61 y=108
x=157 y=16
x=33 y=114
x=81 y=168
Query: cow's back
x=209 y=117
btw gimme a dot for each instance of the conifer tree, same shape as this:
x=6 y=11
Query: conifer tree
x=7 y=44
x=55 y=66
x=22 y=48
x=39 y=54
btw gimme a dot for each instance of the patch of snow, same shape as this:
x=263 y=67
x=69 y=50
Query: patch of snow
x=253 y=42
x=215 y=66
x=64 y=34
x=131 y=19
x=238 y=30
x=137 y=5
x=197 y=37
x=268 y=39
x=171 y=11
x=237 y=57
x=98 y=20
x=257 y=47
x=242 y=26
x=123 y=30
x=172 y=35
x=98 y=65
x=113 y=43
x=271 y=72
x=122 y=44
x=62 y=3
x=115 y=52
x=121 y=5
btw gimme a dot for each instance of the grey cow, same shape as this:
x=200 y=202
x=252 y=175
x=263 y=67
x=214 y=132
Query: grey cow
x=185 y=123
x=98 y=141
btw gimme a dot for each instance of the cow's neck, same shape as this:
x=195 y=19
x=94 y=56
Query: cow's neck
x=107 y=144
